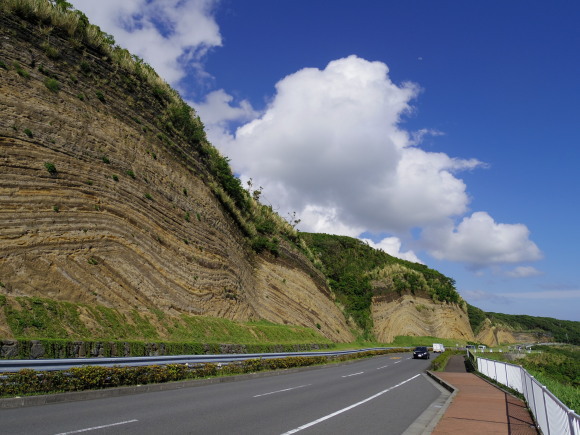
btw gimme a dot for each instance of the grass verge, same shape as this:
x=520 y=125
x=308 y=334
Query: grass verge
x=440 y=362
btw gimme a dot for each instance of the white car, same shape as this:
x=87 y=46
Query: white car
x=438 y=347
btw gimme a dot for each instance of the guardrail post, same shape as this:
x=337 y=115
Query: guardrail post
x=546 y=408
x=571 y=421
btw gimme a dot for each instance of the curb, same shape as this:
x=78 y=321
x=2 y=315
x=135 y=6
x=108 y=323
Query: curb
x=441 y=382
x=431 y=426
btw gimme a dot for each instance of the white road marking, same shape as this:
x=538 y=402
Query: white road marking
x=98 y=427
x=326 y=417
x=397 y=362
x=378 y=368
x=354 y=374
x=280 y=391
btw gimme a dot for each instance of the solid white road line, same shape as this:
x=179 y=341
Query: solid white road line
x=354 y=374
x=98 y=427
x=326 y=417
x=280 y=391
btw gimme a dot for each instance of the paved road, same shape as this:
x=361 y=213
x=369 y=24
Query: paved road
x=379 y=395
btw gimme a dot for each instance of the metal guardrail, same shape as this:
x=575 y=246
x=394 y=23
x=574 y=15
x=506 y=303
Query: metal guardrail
x=552 y=416
x=11 y=366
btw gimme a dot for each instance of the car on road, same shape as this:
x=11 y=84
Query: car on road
x=421 y=352
x=438 y=347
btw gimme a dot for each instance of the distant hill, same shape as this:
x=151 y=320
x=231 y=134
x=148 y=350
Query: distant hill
x=562 y=331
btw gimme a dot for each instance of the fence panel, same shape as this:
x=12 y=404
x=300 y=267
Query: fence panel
x=574 y=423
x=539 y=399
x=558 y=421
x=552 y=416
x=514 y=376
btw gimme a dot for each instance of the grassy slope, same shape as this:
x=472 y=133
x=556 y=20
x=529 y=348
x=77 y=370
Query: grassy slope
x=34 y=318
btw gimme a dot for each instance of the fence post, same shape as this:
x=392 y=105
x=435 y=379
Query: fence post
x=571 y=421
x=546 y=408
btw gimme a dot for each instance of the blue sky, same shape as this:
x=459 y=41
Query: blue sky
x=441 y=132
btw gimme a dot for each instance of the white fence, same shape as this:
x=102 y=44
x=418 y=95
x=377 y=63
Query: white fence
x=552 y=416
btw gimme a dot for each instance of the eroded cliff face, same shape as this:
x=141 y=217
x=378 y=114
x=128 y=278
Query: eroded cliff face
x=418 y=316
x=495 y=335
x=99 y=205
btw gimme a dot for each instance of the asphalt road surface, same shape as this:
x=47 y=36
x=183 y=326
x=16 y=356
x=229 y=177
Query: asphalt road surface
x=378 y=395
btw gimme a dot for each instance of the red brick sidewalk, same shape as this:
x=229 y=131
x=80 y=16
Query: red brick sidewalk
x=481 y=408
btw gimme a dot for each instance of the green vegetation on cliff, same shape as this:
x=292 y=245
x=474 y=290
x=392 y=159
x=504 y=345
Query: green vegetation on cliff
x=351 y=267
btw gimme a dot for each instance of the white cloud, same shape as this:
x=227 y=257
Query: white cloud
x=483 y=296
x=480 y=241
x=523 y=272
x=329 y=142
x=392 y=246
x=218 y=112
x=217 y=109
x=555 y=294
x=171 y=35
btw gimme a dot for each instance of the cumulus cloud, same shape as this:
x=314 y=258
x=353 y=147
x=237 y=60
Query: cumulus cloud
x=171 y=35
x=523 y=272
x=392 y=246
x=329 y=147
x=480 y=241
x=219 y=112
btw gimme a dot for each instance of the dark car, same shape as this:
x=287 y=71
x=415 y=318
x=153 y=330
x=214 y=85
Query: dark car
x=421 y=352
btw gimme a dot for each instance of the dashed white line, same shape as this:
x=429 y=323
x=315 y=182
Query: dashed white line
x=383 y=367
x=354 y=374
x=326 y=417
x=280 y=391
x=98 y=427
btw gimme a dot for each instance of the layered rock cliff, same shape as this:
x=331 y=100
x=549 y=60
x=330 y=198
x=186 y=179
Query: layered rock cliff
x=103 y=200
x=411 y=315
